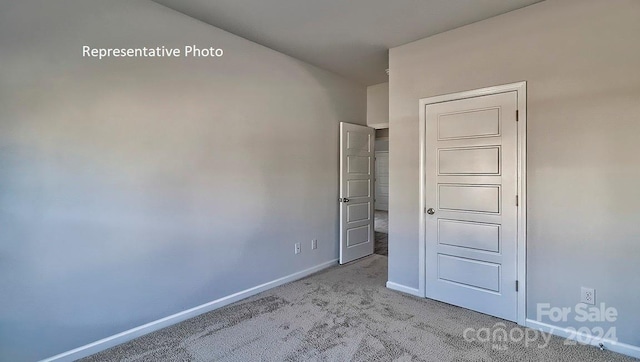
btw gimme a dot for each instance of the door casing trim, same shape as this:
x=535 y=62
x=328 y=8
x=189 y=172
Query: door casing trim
x=521 y=90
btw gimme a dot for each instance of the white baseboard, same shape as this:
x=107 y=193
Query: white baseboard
x=623 y=348
x=125 y=336
x=404 y=289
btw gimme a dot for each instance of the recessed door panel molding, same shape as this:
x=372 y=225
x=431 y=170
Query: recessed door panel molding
x=469 y=272
x=472 y=206
x=472 y=235
x=359 y=164
x=469 y=198
x=469 y=123
x=358 y=188
x=358 y=212
x=358 y=236
x=357 y=156
x=358 y=141
x=469 y=161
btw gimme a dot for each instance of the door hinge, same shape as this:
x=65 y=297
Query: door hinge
x=516 y=285
x=517 y=201
x=517 y=116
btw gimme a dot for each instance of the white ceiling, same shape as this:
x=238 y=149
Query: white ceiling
x=348 y=37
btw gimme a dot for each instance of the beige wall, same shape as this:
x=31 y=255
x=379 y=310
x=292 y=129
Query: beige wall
x=581 y=60
x=378 y=104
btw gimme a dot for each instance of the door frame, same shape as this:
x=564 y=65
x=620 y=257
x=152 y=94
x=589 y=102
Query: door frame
x=521 y=90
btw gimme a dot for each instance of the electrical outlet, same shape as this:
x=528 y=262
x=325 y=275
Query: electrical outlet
x=314 y=244
x=297 y=248
x=588 y=296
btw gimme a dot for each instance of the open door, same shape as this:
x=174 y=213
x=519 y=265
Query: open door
x=356 y=191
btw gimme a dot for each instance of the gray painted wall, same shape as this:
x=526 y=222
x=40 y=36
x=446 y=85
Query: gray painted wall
x=132 y=189
x=378 y=104
x=382 y=145
x=581 y=61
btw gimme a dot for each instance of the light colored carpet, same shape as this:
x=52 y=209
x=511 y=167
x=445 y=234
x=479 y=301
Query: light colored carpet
x=381 y=227
x=344 y=313
x=381 y=244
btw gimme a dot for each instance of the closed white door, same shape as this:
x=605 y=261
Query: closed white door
x=382 y=181
x=471 y=201
x=356 y=191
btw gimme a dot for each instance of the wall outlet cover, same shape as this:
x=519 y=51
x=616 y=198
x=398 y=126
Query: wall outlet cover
x=588 y=295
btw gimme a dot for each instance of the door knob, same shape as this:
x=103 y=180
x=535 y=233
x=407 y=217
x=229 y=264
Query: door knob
x=431 y=211
x=343 y=199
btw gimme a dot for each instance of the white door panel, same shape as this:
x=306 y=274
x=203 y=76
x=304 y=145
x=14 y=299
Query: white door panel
x=469 y=273
x=469 y=198
x=464 y=124
x=356 y=191
x=471 y=187
x=469 y=161
x=471 y=235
